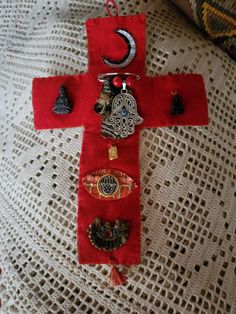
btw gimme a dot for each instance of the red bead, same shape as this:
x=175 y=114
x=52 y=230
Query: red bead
x=130 y=81
x=117 y=81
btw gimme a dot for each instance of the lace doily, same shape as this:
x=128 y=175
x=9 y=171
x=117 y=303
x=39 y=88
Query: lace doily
x=188 y=174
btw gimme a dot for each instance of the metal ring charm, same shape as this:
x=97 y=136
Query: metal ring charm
x=106 y=76
x=108 y=236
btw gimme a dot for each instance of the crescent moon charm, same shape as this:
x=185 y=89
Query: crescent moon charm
x=129 y=56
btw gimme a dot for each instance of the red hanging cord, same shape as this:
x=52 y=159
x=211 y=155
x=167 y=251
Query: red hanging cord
x=113 y=2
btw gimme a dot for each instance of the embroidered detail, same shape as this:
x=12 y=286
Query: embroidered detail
x=108 y=236
x=217 y=20
x=129 y=56
x=62 y=104
x=109 y=184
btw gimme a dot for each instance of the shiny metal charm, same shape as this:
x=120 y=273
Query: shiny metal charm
x=129 y=56
x=124 y=116
x=117 y=106
x=108 y=185
x=107 y=236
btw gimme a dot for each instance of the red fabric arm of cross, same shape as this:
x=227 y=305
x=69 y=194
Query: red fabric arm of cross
x=153 y=96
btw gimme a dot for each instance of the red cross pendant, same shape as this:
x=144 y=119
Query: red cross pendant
x=153 y=96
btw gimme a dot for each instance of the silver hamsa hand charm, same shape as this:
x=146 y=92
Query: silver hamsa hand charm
x=124 y=115
x=117 y=106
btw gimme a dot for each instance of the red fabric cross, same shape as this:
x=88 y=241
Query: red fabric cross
x=153 y=96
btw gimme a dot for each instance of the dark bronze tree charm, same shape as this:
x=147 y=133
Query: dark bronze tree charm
x=177 y=106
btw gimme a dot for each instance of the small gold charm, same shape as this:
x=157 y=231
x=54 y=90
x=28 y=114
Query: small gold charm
x=113 y=152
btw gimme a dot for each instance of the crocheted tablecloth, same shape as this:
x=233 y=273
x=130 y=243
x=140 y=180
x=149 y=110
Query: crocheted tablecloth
x=188 y=174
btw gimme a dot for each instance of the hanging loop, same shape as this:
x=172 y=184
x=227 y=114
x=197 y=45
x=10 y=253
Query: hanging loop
x=113 y=2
